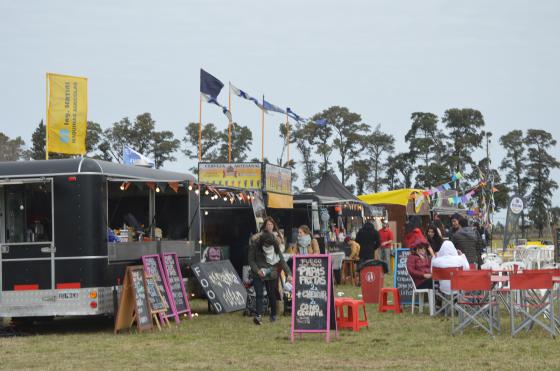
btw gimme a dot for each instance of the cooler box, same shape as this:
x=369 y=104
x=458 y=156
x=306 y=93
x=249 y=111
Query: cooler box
x=371 y=279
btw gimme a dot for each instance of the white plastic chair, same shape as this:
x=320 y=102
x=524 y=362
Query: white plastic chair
x=421 y=293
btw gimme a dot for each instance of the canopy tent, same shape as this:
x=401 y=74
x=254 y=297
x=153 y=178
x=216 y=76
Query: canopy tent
x=396 y=197
x=331 y=186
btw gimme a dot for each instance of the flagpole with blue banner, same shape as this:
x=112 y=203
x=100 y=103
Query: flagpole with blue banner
x=262 y=132
x=200 y=129
x=288 y=136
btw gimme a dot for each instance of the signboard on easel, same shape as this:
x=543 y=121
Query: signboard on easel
x=312 y=296
x=154 y=268
x=176 y=285
x=133 y=303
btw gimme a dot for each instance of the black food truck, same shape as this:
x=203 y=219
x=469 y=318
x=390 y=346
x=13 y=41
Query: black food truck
x=57 y=218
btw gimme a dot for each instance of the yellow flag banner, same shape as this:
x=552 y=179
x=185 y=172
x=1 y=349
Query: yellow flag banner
x=66 y=114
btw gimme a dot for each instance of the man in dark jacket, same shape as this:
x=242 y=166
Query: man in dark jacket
x=369 y=241
x=266 y=259
x=467 y=240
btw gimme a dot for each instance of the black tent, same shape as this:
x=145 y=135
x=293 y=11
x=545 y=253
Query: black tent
x=331 y=186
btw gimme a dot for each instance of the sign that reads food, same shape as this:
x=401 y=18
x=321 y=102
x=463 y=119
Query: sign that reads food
x=222 y=285
x=278 y=179
x=239 y=175
x=312 y=296
x=402 y=280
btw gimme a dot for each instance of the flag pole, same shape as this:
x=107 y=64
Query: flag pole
x=200 y=129
x=229 y=125
x=47 y=117
x=288 y=137
x=262 y=132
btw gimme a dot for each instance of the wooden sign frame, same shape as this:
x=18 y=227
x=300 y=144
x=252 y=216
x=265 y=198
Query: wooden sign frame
x=180 y=276
x=168 y=293
x=330 y=298
x=127 y=310
x=157 y=312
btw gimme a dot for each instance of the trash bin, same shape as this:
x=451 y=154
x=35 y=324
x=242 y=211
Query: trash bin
x=371 y=278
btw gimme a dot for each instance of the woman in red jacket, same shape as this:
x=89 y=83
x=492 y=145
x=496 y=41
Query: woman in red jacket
x=419 y=266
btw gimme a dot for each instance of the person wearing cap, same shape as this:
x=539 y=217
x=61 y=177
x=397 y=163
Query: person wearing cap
x=266 y=260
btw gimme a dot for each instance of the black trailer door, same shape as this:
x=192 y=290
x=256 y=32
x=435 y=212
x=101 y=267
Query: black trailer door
x=26 y=234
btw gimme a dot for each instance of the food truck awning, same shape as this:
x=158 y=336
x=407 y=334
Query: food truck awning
x=396 y=197
x=76 y=166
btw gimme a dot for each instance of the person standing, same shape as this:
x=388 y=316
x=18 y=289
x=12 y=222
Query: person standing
x=265 y=260
x=368 y=239
x=467 y=240
x=306 y=244
x=435 y=240
x=387 y=238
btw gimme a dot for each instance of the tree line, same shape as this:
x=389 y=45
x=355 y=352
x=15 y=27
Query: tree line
x=366 y=158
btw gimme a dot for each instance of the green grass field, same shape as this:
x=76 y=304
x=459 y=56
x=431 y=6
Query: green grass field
x=232 y=341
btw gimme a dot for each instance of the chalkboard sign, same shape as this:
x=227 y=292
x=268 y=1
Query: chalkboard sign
x=153 y=267
x=133 y=303
x=402 y=280
x=156 y=300
x=312 y=296
x=222 y=285
x=175 y=281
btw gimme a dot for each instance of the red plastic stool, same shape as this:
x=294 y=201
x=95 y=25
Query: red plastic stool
x=350 y=319
x=383 y=302
x=339 y=309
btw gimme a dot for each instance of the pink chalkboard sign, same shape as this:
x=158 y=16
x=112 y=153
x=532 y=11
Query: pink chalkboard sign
x=312 y=295
x=154 y=268
x=175 y=282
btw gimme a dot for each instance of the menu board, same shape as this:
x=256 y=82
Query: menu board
x=143 y=316
x=156 y=300
x=175 y=281
x=312 y=298
x=402 y=279
x=153 y=267
x=222 y=285
x=133 y=302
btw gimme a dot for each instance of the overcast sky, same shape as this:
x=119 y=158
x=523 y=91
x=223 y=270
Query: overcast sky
x=381 y=59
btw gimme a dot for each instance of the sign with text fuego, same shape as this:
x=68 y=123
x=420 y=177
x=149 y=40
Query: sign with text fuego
x=153 y=268
x=175 y=282
x=312 y=295
x=402 y=279
x=222 y=285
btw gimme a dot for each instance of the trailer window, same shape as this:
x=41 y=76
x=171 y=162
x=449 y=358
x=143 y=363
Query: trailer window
x=28 y=212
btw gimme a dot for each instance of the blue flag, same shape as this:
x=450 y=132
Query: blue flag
x=295 y=116
x=267 y=106
x=321 y=122
x=244 y=95
x=210 y=88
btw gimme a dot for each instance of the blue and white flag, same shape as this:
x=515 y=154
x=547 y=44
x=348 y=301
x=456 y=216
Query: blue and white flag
x=267 y=106
x=131 y=157
x=210 y=88
x=295 y=116
x=321 y=122
x=244 y=95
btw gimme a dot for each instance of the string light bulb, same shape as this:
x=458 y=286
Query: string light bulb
x=190 y=187
x=122 y=187
x=196 y=191
x=206 y=192
x=157 y=189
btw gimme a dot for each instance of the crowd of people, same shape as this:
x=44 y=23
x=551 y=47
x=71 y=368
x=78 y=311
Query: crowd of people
x=461 y=246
